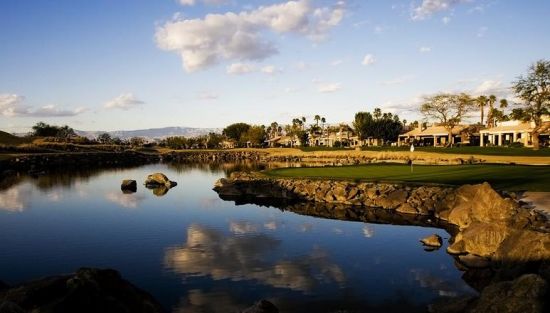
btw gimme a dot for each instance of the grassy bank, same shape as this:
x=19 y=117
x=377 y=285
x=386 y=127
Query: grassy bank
x=505 y=177
x=469 y=150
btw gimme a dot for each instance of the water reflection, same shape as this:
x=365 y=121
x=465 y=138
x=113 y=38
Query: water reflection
x=126 y=200
x=210 y=252
x=15 y=199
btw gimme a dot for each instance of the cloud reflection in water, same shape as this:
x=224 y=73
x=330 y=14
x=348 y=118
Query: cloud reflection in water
x=210 y=252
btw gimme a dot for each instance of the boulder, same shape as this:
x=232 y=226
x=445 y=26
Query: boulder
x=158 y=179
x=481 y=239
x=87 y=291
x=262 y=306
x=432 y=241
x=526 y=294
x=473 y=261
x=479 y=203
x=128 y=185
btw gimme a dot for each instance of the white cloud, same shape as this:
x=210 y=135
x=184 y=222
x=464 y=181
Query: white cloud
x=271 y=70
x=368 y=60
x=125 y=101
x=12 y=105
x=240 y=69
x=429 y=7
x=446 y=20
x=493 y=87
x=425 y=49
x=329 y=87
x=240 y=36
x=208 y=2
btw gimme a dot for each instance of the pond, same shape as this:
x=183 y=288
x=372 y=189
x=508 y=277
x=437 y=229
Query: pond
x=197 y=253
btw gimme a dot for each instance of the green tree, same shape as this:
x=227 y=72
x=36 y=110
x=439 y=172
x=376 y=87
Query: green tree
x=447 y=109
x=317 y=118
x=214 y=140
x=534 y=90
x=235 y=131
x=104 y=138
x=42 y=129
x=255 y=135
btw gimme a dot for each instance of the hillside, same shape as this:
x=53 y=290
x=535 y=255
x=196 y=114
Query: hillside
x=9 y=139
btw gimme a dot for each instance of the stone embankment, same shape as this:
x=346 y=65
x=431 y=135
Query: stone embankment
x=488 y=224
x=494 y=235
x=215 y=156
x=36 y=163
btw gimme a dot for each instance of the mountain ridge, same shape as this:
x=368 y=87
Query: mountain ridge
x=152 y=133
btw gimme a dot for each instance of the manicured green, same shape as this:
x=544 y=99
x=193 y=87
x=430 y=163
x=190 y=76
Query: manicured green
x=505 y=177
x=471 y=150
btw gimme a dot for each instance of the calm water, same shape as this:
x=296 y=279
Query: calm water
x=197 y=253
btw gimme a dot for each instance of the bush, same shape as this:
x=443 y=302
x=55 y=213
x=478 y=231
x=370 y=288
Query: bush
x=516 y=145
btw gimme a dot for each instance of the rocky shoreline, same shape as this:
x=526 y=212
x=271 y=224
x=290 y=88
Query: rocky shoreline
x=493 y=236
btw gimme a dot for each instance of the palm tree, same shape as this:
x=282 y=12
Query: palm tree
x=503 y=103
x=490 y=119
x=317 y=118
x=481 y=102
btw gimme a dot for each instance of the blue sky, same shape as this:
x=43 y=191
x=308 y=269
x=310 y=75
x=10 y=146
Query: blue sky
x=131 y=64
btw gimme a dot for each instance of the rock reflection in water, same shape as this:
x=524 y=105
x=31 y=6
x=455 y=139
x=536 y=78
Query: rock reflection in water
x=210 y=252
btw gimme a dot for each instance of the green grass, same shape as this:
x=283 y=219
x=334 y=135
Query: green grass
x=504 y=177
x=471 y=150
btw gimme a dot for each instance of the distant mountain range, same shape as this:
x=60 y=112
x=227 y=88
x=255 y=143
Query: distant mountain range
x=152 y=133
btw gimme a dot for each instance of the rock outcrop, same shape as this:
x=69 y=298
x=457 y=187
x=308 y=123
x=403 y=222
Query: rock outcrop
x=87 y=291
x=432 y=241
x=159 y=179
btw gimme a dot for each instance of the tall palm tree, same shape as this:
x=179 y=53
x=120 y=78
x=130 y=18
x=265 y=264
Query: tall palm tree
x=490 y=119
x=481 y=102
x=317 y=118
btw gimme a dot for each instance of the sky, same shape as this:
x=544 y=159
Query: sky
x=134 y=64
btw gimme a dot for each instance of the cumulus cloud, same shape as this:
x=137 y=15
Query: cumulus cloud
x=241 y=36
x=12 y=105
x=125 y=101
x=429 y=7
x=329 y=87
x=368 y=60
